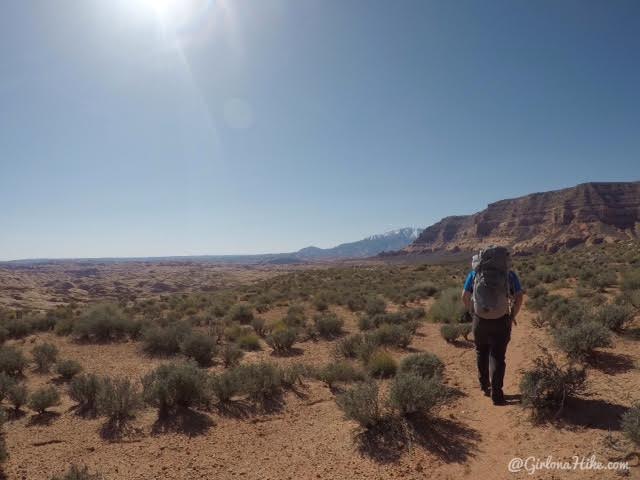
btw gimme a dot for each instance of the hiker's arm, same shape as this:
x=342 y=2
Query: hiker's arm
x=517 y=303
x=466 y=299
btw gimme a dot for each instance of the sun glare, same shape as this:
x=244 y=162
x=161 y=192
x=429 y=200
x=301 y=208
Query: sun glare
x=161 y=7
x=171 y=13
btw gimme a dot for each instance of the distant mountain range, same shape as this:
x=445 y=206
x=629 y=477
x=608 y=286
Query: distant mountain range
x=587 y=214
x=367 y=247
x=590 y=213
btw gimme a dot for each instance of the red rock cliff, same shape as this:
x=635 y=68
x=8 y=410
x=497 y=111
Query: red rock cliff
x=588 y=213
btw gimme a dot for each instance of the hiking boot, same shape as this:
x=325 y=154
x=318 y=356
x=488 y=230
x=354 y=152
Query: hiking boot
x=486 y=390
x=498 y=398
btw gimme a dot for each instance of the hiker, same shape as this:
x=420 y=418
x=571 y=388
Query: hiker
x=492 y=294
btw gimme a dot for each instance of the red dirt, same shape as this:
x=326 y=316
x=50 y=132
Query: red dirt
x=309 y=438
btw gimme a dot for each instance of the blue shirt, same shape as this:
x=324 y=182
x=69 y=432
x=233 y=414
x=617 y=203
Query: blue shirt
x=514 y=282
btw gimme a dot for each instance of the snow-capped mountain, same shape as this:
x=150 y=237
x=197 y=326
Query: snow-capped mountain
x=367 y=247
x=408 y=232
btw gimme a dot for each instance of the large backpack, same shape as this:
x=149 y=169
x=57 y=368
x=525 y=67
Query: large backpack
x=491 y=287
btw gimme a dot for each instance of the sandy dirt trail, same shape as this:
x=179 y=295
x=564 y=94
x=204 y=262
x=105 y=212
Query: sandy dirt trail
x=500 y=433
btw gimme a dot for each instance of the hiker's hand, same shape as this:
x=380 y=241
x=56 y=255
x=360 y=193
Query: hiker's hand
x=513 y=320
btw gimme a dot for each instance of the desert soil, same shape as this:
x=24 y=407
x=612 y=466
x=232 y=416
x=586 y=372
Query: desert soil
x=44 y=286
x=308 y=438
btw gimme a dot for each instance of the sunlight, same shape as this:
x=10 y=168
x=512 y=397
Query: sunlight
x=172 y=13
x=164 y=8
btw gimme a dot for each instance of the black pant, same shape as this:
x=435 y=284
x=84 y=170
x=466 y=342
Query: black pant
x=491 y=338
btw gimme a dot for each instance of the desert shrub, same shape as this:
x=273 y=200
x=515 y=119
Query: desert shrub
x=631 y=424
x=448 y=307
x=453 y=331
x=563 y=312
x=348 y=347
x=295 y=316
x=40 y=323
x=76 y=472
x=294 y=374
x=282 y=338
x=231 y=354
x=546 y=386
x=258 y=326
x=396 y=318
x=68 y=369
x=44 y=398
x=18 y=395
x=584 y=293
x=416 y=313
x=424 y=365
x=544 y=274
x=391 y=335
x=102 y=323
x=12 y=361
x=367 y=348
x=450 y=332
x=118 y=398
x=249 y=342
x=412 y=326
x=613 y=316
x=241 y=313
x=464 y=329
x=64 y=326
x=579 y=341
x=631 y=280
x=537 y=292
x=424 y=289
x=321 y=303
x=597 y=300
x=199 y=347
x=361 y=404
x=167 y=340
x=262 y=303
x=365 y=322
x=309 y=332
x=570 y=314
x=603 y=279
x=630 y=297
x=6 y=382
x=340 y=371
x=175 y=385
x=381 y=365
x=539 y=302
x=135 y=328
x=375 y=305
x=224 y=386
x=260 y=381
x=84 y=389
x=328 y=325
x=356 y=303
x=234 y=332
x=411 y=393
x=17 y=327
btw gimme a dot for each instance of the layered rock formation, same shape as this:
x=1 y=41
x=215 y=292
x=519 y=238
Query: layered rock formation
x=589 y=213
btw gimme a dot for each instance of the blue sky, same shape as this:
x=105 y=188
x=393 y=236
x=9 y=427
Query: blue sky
x=166 y=127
